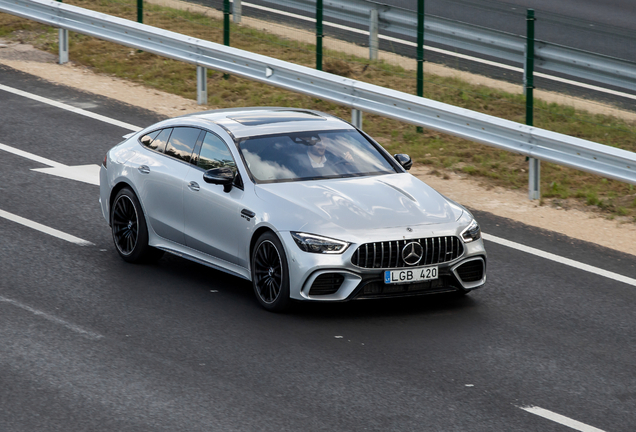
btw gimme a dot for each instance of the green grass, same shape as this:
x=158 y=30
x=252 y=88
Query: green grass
x=440 y=152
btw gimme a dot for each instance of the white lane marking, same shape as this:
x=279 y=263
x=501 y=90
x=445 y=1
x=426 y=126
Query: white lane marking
x=558 y=418
x=45 y=229
x=445 y=52
x=33 y=157
x=71 y=108
x=84 y=173
x=280 y=12
x=89 y=334
x=560 y=259
x=462 y=56
x=587 y=86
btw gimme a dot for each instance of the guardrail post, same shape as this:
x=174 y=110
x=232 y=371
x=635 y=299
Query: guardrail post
x=62 y=39
x=202 y=85
x=140 y=11
x=420 y=52
x=226 y=29
x=237 y=11
x=356 y=118
x=534 y=165
x=62 y=36
x=319 y=34
x=373 y=35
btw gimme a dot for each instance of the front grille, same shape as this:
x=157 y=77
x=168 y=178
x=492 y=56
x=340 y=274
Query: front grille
x=437 y=250
x=472 y=271
x=326 y=284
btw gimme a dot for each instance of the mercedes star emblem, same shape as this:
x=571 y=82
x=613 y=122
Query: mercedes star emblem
x=412 y=253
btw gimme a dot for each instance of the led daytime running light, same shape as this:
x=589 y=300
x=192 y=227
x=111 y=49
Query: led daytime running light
x=317 y=244
x=472 y=232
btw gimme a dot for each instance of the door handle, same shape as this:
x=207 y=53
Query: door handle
x=193 y=186
x=248 y=213
x=144 y=169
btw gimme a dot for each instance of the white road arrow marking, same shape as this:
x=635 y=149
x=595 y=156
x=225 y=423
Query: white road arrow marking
x=84 y=173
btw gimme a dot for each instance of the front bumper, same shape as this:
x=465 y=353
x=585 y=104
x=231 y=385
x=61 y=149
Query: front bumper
x=333 y=277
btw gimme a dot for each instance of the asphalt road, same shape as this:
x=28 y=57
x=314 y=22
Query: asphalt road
x=89 y=342
x=591 y=25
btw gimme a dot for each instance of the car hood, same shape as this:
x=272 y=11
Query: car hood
x=355 y=204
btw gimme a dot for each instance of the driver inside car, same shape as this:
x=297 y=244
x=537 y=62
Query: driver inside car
x=319 y=156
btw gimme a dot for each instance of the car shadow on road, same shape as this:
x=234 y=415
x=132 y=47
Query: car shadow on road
x=203 y=280
x=386 y=307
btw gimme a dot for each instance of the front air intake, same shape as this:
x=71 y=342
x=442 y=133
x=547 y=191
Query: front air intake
x=326 y=284
x=471 y=271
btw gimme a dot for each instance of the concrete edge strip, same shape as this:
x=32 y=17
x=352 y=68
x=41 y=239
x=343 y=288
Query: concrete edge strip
x=560 y=259
x=45 y=229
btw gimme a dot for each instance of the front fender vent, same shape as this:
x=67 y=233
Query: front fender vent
x=388 y=254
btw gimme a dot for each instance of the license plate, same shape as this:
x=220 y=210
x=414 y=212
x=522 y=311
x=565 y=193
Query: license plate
x=417 y=274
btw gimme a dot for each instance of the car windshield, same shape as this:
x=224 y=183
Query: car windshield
x=312 y=155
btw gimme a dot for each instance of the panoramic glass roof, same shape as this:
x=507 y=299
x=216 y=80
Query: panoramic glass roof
x=263 y=118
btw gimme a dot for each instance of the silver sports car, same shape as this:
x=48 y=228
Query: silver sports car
x=299 y=202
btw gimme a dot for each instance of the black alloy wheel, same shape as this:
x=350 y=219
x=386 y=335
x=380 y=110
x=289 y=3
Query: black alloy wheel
x=270 y=276
x=130 y=233
x=125 y=225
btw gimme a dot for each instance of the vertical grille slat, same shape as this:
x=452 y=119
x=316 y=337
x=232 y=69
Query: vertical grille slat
x=445 y=249
x=426 y=241
x=437 y=250
x=397 y=253
x=382 y=255
x=374 y=255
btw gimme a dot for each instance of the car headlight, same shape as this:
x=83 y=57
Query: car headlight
x=318 y=244
x=472 y=232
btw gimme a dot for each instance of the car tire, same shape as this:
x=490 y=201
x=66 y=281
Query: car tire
x=270 y=274
x=130 y=233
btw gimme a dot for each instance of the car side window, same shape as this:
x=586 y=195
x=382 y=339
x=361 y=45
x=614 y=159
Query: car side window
x=156 y=140
x=215 y=154
x=182 y=142
x=147 y=139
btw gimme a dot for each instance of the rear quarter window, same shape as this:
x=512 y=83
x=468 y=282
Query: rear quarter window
x=182 y=142
x=156 y=140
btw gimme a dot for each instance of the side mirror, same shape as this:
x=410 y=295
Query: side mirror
x=404 y=160
x=220 y=176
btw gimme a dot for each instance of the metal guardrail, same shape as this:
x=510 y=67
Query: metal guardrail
x=530 y=141
x=556 y=58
